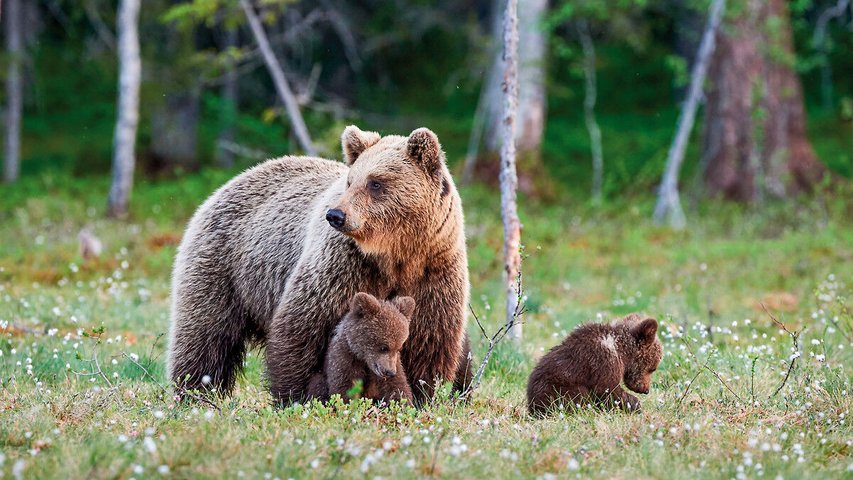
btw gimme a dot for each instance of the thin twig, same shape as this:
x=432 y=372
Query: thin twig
x=713 y=372
x=795 y=338
x=686 y=390
x=494 y=339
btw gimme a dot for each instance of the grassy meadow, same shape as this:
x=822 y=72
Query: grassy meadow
x=82 y=351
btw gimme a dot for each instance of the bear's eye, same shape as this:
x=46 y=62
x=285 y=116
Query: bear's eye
x=374 y=186
x=384 y=349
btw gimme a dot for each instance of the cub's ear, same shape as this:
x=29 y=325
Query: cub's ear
x=364 y=304
x=355 y=142
x=645 y=330
x=423 y=148
x=406 y=305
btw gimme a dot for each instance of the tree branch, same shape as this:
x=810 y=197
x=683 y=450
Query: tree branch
x=279 y=79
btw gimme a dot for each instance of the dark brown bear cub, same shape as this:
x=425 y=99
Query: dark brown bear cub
x=590 y=364
x=366 y=347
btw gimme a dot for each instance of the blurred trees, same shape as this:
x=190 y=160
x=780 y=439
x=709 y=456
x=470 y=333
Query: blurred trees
x=14 y=88
x=755 y=140
x=210 y=95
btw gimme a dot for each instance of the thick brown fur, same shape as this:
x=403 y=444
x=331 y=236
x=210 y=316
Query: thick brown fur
x=592 y=362
x=260 y=263
x=366 y=348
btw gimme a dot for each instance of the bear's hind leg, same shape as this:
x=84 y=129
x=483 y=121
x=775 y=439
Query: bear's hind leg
x=208 y=341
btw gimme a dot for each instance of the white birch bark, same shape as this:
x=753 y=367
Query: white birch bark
x=14 y=90
x=130 y=75
x=508 y=177
x=279 y=80
x=668 y=206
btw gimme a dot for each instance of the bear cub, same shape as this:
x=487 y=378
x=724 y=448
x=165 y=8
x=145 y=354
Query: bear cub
x=366 y=346
x=590 y=364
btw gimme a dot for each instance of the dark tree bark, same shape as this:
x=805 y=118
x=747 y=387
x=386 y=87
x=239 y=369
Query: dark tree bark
x=755 y=141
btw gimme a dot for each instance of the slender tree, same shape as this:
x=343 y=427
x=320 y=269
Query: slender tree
x=508 y=177
x=130 y=72
x=669 y=204
x=279 y=80
x=14 y=90
x=590 y=93
x=755 y=140
x=531 y=103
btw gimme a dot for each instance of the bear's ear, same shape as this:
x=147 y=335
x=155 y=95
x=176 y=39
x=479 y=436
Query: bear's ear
x=645 y=331
x=363 y=304
x=423 y=148
x=355 y=142
x=406 y=305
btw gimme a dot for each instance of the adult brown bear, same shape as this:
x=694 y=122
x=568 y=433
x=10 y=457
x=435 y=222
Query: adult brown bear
x=275 y=255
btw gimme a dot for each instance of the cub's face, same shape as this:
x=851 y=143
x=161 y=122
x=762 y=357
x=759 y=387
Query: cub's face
x=638 y=370
x=377 y=331
x=396 y=189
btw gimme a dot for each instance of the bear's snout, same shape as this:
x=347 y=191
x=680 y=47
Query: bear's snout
x=336 y=218
x=388 y=373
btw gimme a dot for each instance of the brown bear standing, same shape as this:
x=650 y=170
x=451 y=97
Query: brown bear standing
x=592 y=361
x=275 y=255
x=366 y=348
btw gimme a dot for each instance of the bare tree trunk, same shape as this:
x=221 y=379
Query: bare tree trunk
x=755 y=135
x=590 y=94
x=14 y=90
x=669 y=204
x=509 y=180
x=531 y=95
x=279 y=79
x=130 y=73
x=531 y=77
x=230 y=90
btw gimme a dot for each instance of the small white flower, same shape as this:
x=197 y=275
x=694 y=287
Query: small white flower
x=205 y=380
x=149 y=445
x=573 y=464
x=315 y=463
x=163 y=469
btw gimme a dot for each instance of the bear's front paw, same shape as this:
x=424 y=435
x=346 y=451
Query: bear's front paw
x=630 y=403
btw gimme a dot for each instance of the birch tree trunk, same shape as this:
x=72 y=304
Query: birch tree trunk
x=669 y=204
x=590 y=94
x=130 y=72
x=279 y=80
x=531 y=95
x=508 y=178
x=14 y=90
x=755 y=133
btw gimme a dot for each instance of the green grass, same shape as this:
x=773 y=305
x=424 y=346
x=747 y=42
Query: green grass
x=705 y=284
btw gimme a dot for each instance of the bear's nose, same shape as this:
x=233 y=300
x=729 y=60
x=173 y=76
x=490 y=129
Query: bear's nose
x=390 y=373
x=336 y=218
